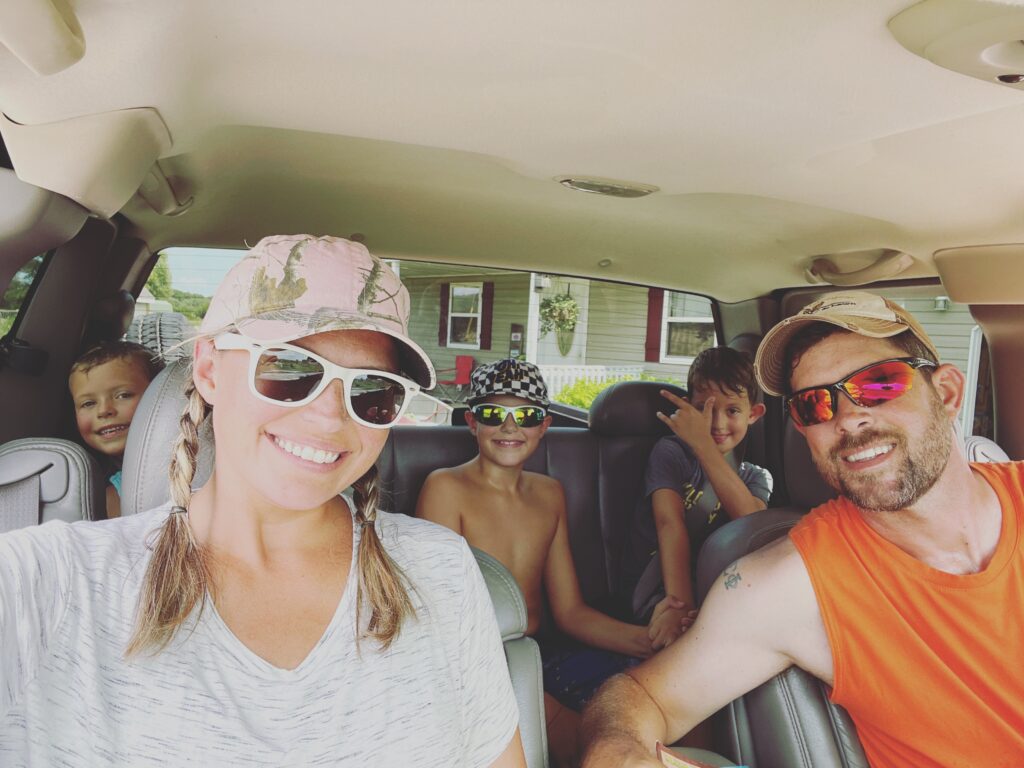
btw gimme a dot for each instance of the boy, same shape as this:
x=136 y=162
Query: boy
x=106 y=384
x=693 y=486
x=519 y=518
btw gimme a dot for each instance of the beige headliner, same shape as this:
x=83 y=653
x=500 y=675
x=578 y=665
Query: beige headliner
x=776 y=131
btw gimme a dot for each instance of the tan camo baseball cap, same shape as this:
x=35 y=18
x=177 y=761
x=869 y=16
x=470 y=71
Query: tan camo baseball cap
x=292 y=286
x=865 y=313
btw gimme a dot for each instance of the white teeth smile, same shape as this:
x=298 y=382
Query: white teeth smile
x=869 y=453
x=316 y=455
x=106 y=431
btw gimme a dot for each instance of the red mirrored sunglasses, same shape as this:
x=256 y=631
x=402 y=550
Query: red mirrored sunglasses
x=867 y=387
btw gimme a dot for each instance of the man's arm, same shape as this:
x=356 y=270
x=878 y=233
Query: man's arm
x=438 y=501
x=571 y=614
x=760 y=617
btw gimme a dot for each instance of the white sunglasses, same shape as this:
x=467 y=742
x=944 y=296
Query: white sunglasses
x=291 y=376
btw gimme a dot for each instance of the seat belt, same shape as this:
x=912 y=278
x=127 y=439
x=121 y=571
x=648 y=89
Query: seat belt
x=20 y=504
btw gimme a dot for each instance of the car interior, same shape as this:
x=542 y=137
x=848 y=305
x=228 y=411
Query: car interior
x=684 y=174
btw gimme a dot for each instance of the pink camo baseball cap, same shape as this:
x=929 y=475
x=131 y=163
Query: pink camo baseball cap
x=292 y=286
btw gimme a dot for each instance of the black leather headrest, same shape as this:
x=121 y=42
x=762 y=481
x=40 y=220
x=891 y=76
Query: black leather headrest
x=627 y=409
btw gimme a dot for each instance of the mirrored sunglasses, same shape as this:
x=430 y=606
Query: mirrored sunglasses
x=867 y=387
x=492 y=415
x=290 y=376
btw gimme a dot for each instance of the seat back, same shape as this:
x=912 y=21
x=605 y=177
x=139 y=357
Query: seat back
x=151 y=438
x=522 y=654
x=788 y=720
x=43 y=479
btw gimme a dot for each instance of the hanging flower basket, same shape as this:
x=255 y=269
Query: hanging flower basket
x=559 y=313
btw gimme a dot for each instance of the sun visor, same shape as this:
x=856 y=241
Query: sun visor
x=983 y=274
x=97 y=160
x=33 y=220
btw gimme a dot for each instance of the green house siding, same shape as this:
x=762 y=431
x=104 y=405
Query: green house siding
x=511 y=305
x=618 y=328
x=949 y=329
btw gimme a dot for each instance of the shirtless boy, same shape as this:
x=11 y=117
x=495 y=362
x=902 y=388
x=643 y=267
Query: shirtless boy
x=519 y=518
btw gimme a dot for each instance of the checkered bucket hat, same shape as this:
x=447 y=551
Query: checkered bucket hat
x=509 y=377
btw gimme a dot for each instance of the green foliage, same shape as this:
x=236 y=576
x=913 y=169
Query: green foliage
x=20 y=283
x=15 y=294
x=559 y=313
x=583 y=392
x=159 y=282
x=191 y=305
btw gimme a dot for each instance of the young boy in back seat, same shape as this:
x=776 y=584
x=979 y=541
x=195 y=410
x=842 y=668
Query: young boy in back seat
x=106 y=384
x=519 y=518
x=693 y=485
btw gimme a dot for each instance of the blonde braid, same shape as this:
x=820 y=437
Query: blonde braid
x=381 y=581
x=177 y=577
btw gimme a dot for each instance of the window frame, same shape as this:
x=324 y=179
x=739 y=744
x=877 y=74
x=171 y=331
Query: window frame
x=479 y=286
x=666 y=318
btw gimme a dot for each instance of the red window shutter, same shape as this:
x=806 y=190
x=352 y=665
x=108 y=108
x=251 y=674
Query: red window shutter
x=655 y=306
x=442 y=323
x=486 y=316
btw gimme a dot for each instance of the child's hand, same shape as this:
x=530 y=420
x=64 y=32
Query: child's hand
x=639 y=644
x=691 y=426
x=671 y=618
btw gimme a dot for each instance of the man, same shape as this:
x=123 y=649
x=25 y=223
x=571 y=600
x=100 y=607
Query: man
x=904 y=594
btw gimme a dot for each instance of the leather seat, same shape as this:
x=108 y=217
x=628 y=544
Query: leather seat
x=43 y=479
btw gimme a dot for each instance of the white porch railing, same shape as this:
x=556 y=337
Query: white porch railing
x=558 y=377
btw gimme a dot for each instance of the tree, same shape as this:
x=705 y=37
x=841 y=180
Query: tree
x=159 y=282
x=20 y=284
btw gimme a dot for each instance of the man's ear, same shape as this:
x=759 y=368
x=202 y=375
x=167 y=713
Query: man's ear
x=950 y=383
x=756 y=412
x=204 y=369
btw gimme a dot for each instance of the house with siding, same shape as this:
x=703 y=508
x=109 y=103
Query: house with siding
x=623 y=330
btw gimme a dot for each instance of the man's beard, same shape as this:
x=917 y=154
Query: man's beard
x=920 y=467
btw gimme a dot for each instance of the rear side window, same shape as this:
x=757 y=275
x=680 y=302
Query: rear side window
x=583 y=334
x=17 y=292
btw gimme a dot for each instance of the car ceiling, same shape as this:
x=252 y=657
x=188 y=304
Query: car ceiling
x=775 y=132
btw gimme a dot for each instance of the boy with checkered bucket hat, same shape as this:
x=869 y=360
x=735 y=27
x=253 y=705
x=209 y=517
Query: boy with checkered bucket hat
x=519 y=517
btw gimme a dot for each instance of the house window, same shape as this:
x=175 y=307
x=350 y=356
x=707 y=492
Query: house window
x=687 y=327
x=464 y=305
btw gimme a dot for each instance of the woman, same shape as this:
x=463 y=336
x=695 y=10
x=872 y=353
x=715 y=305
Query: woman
x=271 y=617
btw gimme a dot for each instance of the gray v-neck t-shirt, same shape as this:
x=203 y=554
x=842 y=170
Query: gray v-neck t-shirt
x=439 y=696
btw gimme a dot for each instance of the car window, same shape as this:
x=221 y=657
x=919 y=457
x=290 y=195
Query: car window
x=584 y=334
x=18 y=291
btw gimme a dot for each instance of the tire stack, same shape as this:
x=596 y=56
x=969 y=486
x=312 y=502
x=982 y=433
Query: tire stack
x=163 y=333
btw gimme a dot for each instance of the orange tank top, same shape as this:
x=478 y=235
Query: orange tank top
x=930 y=665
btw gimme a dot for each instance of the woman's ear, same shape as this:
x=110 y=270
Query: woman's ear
x=204 y=369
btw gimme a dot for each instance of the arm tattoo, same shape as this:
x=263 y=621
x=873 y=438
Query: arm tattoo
x=732 y=576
